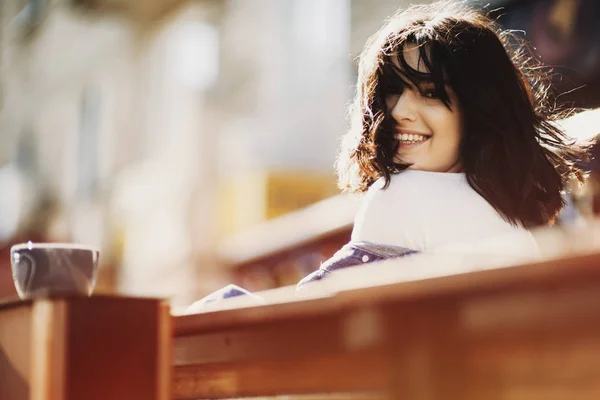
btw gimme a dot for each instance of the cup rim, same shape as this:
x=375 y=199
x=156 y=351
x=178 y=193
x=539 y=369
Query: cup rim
x=66 y=246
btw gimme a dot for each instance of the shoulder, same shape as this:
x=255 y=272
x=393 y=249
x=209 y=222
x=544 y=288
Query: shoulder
x=398 y=192
x=382 y=204
x=390 y=215
x=398 y=182
x=412 y=184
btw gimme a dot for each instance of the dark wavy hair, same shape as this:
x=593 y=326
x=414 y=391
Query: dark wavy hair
x=513 y=153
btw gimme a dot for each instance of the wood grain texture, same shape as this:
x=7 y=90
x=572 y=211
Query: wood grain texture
x=353 y=372
x=85 y=348
x=427 y=343
x=114 y=349
x=49 y=350
x=292 y=338
x=15 y=339
x=164 y=352
x=299 y=355
x=525 y=332
x=398 y=281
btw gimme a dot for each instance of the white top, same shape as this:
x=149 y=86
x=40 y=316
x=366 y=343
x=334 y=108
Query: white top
x=436 y=212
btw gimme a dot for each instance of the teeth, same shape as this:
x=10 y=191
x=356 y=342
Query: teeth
x=410 y=137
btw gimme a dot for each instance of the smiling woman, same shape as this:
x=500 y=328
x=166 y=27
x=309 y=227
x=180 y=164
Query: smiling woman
x=453 y=138
x=427 y=130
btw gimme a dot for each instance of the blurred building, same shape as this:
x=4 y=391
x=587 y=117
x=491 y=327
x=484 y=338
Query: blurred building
x=153 y=128
x=159 y=130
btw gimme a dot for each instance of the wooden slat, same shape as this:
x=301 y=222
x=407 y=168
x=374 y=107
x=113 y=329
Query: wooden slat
x=217 y=320
x=543 y=307
x=270 y=341
x=408 y=279
x=430 y=277
x=357 y=371
x=298 y=355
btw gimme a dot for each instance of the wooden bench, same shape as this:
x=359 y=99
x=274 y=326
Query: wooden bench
x=430 y=328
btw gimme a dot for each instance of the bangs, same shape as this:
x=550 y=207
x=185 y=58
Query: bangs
x=395 y=74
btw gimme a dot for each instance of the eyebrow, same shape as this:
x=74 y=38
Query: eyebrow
x=402 y=80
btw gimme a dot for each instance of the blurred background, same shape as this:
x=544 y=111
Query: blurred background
x=194 y=141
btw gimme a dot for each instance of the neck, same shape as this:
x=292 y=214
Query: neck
x=458 y=167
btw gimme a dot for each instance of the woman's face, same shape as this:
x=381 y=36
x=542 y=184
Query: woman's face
x=429 y=132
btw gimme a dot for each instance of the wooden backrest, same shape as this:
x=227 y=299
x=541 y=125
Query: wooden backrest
x=526 y=332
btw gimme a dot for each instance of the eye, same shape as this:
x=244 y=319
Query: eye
x=430 y=94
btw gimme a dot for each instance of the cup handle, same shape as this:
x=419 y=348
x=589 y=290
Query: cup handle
x=31 y=267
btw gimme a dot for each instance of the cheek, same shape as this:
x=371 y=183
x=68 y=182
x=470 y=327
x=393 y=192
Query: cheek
x=447 y=125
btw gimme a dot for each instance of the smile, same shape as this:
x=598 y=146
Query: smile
x=410 y=139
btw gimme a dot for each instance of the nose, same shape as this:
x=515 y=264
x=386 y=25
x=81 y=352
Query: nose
x=405 y=108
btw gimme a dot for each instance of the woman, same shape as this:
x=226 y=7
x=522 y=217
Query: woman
x=452 y=141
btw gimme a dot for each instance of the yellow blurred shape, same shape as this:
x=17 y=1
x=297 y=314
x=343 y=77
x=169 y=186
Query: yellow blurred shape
x=254 y=196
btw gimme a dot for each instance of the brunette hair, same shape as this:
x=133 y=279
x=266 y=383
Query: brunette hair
x=512 y=152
